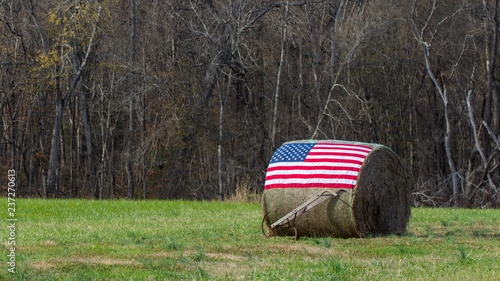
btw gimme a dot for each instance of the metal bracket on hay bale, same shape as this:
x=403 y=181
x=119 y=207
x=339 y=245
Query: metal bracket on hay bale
x=286 y=220
x=306 y=206
x=367 y=184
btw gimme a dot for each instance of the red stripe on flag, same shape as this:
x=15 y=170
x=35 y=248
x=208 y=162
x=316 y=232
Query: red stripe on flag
x=308 y=185
x=336 y=154
x=344 y=145
x=326 y=160
x=331 y=168
x=312 y=176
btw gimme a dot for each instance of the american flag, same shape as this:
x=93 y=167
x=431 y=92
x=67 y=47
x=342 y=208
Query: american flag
x=326 y=165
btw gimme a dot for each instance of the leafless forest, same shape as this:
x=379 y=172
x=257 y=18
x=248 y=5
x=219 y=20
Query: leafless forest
x=189 y=99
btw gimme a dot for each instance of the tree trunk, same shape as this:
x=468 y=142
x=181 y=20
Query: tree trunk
x=490 y=113
x=132 y=104
x=74 y=153
x=93 y=186
x=223 y=103
x=444 y=96
x=144 y=148
x=31 y=192
x=92 y=183
x=43 y=146
x=54 y=148
x=334 y=42
x=447 y=143
x=61 y=103
x=277 y=90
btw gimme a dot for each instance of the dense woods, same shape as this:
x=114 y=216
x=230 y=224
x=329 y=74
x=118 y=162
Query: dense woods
x=189 y=99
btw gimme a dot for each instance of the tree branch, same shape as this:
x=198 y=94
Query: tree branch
x=85 y=60
x=262 y=12
x=495 y=139
x=474 y=129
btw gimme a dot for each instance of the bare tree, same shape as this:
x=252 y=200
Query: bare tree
x=132 y=102
x=491 y=102
x=93 y=186
x=441 y=88
x=61 y=104
x=284 y=31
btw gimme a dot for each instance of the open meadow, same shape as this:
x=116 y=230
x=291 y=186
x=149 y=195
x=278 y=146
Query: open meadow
x=202 y=240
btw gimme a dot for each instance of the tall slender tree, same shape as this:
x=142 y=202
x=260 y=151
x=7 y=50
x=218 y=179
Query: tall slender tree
x=132 y=101
x=58 y=122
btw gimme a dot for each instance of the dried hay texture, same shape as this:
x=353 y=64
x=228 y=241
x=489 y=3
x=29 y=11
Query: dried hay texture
x=379 y=204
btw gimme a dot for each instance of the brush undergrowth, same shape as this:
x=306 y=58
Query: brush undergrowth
x=179 y=240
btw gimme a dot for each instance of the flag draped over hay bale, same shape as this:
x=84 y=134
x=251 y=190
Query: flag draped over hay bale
x=371 y=193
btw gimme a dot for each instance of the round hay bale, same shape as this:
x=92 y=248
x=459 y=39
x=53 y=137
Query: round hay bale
x=373 y=192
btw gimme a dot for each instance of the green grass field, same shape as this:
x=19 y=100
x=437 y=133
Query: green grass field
x=185 y=240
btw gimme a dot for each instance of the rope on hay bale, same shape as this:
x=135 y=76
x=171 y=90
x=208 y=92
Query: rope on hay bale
x=369 y=180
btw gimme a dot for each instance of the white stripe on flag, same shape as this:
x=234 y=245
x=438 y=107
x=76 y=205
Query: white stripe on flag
x=311 y=180
x=309 y=164
x=344 y=148
x=311 y=172
x=335 y=157
x=336 y=150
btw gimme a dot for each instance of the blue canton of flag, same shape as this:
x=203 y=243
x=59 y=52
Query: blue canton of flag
x=292 y=152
